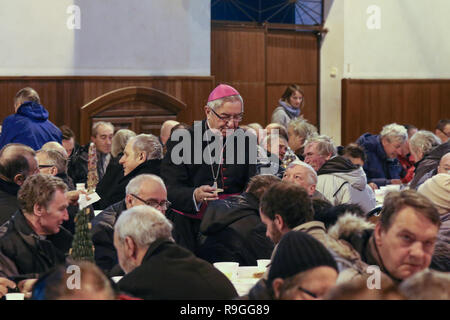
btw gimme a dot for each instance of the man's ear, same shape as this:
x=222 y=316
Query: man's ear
x=53 y=171
x=207 y=111
x=279 y=222
x=128 y=201
x=142 y=156
x=19 y=179
x=277 y=283
x=38 y=210
x=130 y=248
x=378 y=234
x=312 y=188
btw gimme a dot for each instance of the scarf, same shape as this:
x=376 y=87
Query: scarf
x=292 y=112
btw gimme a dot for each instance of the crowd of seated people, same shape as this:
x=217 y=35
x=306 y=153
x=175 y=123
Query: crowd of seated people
x=218 y=190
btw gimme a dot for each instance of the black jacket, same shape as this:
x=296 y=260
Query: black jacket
x=182 y=179
x=103 y=236
x=234 y=232
x=77 y=167
x=170 y=272
x=113 y=174
x=31 y=254
x=116 y=192
x=8 y=200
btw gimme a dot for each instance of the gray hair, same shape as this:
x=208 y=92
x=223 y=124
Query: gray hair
x=55 y=146
x=423 y=141
x=303 y=128
x=215 y=104
x=147 y=143
x=119 y=141
x=325 y=145
x=144 y=225
x=134 y=186
x=426 y=285
x=312 y=175
x=96 y=125
x=394 y=132
x=55 y=158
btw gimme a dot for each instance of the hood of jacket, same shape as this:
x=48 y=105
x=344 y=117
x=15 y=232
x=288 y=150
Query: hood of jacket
x=220 y=214
x=345 y=169
x=33 y=110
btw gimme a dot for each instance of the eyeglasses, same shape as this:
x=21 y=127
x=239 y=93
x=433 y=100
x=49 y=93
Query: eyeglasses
x=42 y=166
x=164 y=204
x=236 y=118
x=308 y=292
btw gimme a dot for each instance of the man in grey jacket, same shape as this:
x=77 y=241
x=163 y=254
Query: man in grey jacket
x=339 y=180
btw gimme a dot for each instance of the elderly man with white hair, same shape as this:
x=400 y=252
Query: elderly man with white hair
x=304 y=175
x=158 y=269
x=142 y=154
x=382 y=166
x=145 y=189
x=339 y=180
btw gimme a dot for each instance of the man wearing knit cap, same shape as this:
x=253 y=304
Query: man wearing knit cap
x=211 y=167
x=437 y=189
x=302 y=269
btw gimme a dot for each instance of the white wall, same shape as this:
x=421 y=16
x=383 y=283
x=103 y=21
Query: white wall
x=116 y=37
x=411 y=42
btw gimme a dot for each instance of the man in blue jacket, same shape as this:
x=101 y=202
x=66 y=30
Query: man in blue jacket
x=29 y=125
x=382 y=166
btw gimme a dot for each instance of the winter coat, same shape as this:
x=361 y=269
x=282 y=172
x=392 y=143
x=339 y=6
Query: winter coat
x=342 y=182
x=32 y=254
x=282 y=115
x=8 y=200
x=170 y=272
x=379 y=169
x=116 y=192
x=234 y=232
x=428 y=163
x=103 y=236
x=113 y=174
x=77 y=167
x=358 y=233
x=29 y=126
x=441 y=255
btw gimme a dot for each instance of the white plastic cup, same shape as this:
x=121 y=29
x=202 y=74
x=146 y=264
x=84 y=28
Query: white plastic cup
x=116 y=278
x=263 y=263
x=230 y=269
x=15 y=296
x=80 y=186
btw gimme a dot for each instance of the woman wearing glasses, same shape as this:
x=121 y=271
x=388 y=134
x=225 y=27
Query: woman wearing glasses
x=289 y=106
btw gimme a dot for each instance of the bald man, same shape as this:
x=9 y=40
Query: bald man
x=166 y=128
x=17 y=162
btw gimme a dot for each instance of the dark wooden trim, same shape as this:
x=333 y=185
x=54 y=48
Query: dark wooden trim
x=127 y=94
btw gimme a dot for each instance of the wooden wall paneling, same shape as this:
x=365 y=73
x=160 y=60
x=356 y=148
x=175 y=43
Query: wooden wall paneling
x=260 y=62
x=368 y=105
x=237 y=54
x=64 y=96
x=238 y=59
x=292 y=57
